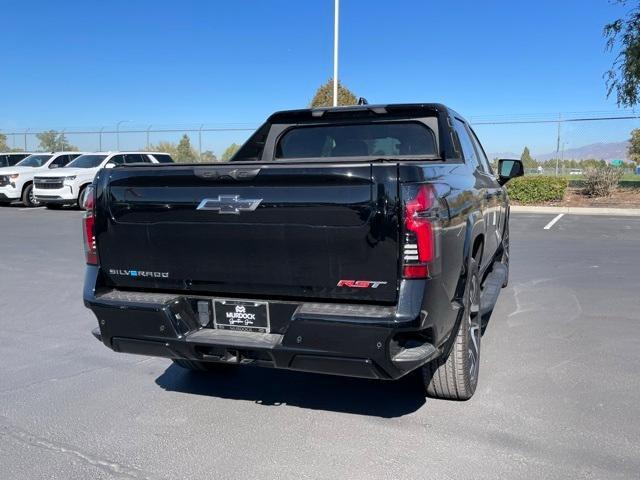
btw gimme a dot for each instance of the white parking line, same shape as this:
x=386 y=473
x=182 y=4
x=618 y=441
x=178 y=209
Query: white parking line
x=30 y=208
x=553 y=222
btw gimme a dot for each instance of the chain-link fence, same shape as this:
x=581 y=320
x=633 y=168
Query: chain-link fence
x=561 y=144
x=213 y=139
x=558 y=143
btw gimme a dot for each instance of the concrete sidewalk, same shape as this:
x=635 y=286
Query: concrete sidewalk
x=628 y=212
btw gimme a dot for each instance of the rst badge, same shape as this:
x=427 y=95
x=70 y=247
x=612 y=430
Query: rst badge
x=230 y=204
x=360 y=283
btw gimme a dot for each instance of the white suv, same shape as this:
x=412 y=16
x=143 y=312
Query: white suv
x=16 y=182
x=67 y=186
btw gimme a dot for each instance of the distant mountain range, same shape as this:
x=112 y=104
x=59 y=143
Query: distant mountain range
x=605 y=151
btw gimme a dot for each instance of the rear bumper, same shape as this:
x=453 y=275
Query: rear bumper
x=352 y=340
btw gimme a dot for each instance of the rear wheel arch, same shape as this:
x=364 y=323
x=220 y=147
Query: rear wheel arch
x=478 y=244
x=474 y=240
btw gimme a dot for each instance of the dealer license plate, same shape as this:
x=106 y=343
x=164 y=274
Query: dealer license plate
x=241 y=315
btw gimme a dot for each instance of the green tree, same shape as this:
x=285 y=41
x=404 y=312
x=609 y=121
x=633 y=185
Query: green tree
x=589 y=163
x=527 y=159
x=184 y=151
x=3 y=143
x=623 y=38
x=634 y=145
x=166 y=147
x=230 y=152
x=324 y=95
x=51 y=141
x=208 y=157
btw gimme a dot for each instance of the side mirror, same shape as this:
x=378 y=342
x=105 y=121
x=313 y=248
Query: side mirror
x=110 y=165
x=508 y=169
x=54 y=165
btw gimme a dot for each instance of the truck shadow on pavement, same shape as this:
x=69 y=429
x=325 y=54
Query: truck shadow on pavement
x=269 y=387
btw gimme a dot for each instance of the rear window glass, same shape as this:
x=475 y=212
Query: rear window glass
x=135 y=158
x=11 y=160
x=163 y=158
x=366 y=140
x=87 y=161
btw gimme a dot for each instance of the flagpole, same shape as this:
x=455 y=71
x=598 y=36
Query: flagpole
x=336 y=21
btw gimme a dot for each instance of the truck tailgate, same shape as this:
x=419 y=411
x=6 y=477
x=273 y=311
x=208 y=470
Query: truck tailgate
x=285 y=230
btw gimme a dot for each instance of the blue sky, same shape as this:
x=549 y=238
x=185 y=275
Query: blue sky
x=90 y=64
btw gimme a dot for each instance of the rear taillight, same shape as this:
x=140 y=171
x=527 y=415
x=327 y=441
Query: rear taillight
x=88 y=226
x=421 y=231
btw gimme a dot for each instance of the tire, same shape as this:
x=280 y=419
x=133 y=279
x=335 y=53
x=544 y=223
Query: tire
x=28 y=199
x=454 y=376
x=196 y=366
x=505 y=251
x=53 y=206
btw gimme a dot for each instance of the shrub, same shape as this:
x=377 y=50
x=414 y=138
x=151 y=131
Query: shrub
x=535 y=189
x=601 y=181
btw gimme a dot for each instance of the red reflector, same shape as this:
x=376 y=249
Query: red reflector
x=415 y=271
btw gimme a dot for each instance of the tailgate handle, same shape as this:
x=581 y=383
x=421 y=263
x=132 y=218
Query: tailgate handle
x=238 y=174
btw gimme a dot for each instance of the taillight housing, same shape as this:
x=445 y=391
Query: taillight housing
x=421 y=235
x=88 y=226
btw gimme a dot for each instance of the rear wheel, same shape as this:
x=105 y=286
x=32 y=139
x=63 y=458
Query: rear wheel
x=196 y=366
x=28 y=198
x=455 y=376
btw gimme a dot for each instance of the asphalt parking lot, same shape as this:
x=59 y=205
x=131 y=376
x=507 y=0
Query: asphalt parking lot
x=559 y=392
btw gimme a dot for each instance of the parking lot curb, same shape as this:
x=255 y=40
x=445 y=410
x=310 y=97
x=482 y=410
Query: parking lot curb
x=626 y=212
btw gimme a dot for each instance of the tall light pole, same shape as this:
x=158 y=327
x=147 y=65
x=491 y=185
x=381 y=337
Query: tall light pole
x=336 y=23
x=558 y=144
x=564 y=144
x=118 y=133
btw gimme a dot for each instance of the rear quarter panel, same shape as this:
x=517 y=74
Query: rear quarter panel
x=461 y=224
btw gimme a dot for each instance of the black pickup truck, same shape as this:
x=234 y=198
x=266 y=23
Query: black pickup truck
x=366 y=241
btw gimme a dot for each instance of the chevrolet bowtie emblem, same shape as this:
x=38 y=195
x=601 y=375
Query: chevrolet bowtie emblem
x=229 y=204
